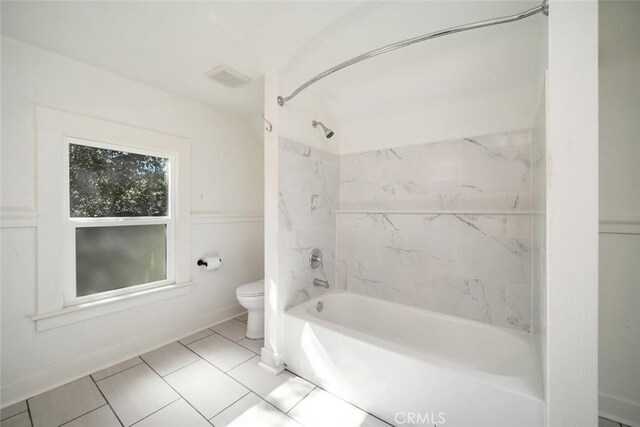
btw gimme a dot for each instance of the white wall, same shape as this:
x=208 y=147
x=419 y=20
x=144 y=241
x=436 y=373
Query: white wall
x=482 y=113
x=226 y=177
x=619 y=108
x=538 y=233
x=619 y=323
x=295 y=122
x=473 y=83
x=572 y=215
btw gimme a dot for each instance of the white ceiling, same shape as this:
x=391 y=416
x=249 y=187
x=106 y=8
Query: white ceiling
x=170 y=45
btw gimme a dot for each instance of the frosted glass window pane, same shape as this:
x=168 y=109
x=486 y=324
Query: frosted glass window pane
x=109 y=258
x=110 y=183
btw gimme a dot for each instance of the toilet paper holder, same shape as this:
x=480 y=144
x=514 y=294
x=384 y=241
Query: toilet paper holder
x=209 y=262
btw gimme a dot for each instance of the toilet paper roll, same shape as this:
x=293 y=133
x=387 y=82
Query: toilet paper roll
x=212 y=263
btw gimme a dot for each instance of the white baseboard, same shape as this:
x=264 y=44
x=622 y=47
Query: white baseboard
x=87 y=364
x=618 y=409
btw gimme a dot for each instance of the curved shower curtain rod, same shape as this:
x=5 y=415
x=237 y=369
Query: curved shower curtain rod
x=544 y=8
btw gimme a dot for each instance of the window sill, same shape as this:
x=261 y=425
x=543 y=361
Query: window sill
x=80 y=312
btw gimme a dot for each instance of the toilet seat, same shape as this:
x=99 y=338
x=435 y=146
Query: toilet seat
x=254 y=289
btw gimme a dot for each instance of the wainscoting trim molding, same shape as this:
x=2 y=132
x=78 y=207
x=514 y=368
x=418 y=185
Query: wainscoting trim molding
x=620 y=225
x=29 y=218
x=198 y=218
x=18 y=218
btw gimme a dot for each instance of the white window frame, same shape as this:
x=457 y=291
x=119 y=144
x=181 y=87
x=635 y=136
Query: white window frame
x=56 y=301
x=70 y=294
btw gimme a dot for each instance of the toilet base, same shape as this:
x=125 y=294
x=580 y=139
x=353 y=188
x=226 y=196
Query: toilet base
x=255 y=325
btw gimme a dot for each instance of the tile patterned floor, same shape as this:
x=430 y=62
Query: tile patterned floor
x=209 y=378
x=603 y=422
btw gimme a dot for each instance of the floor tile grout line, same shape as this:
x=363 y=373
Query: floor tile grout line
x=175 y=370
x=338 y=397
x=219 y=368
x=199 y=339
x=187 y=347
x=258 y=354
x=263 y=400
x=227 y=338
x=251 y=358
x=218 y=324
x=29 y=411
x=88 y=412
x=286 y=414
x=107 y=400
x=374 y=416
x=241 y=363
x=177 y=392
x=235 y=342
x=212 y=333
x=240 y=315
x=158 y=410
x=250 y=390
x=326 y=391
x=345 y=401
x=233 y=403
x=119 y=372
x=304 y=397
x=254 y=392
x=15 y=415
x=613 y=421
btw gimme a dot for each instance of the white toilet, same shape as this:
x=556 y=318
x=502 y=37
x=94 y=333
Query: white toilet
x=251 y=297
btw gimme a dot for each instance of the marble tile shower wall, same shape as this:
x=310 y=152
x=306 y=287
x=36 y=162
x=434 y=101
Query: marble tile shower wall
x=443 y=226
x=485 y=173
x=309 y=182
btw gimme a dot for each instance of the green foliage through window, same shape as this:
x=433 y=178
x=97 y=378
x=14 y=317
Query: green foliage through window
x=109 y=183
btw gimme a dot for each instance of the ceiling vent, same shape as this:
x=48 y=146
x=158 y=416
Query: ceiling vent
x=227 y=76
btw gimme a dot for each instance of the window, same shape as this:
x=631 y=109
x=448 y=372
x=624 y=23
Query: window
x=113 y=217
x=119 y=220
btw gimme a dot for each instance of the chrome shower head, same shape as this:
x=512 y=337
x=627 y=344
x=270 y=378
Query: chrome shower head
x=328 y=133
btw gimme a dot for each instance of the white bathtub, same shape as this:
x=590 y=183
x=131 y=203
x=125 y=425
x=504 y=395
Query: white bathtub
x=407 y=365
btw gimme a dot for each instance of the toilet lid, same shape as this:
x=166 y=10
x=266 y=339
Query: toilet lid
x=251 y=289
